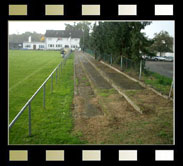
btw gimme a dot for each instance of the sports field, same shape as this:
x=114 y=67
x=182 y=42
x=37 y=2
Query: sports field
x=53 y=125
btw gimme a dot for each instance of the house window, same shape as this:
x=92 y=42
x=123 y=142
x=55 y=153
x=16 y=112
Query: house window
x=41 y=46
x=50 y=45
x=27 y=46
x=58 y=45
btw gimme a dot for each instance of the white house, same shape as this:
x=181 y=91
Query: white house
x=55 y=40
x=34 y=45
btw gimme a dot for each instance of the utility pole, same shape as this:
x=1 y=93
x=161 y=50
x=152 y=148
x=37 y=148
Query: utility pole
x=83 y=38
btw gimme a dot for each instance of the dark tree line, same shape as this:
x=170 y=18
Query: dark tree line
x=121 y=39
x=20 y=38
x=162 y=42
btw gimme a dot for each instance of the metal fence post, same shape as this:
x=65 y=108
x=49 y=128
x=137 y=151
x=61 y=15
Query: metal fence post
x=121 y=62
x=61 y=66
x=44 y=96
x=56 y=76
x=140 y=70
x=30 y=119
x=52 y=83
x=59 y=71
x=170 y=92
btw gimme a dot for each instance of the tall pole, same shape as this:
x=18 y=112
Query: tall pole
x=83 y=38
x=44 y=96
x=140 y=73
x=70 y=40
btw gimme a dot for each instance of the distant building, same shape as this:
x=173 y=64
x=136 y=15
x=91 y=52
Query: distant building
x=55 y=40
x=29 y=45
x=15 y=46
x=166 y=54
x=34 y=45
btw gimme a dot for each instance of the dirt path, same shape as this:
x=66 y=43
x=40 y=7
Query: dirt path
x=147 y=100
x=103 y=116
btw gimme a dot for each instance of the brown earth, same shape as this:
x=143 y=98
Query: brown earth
x=102 y=116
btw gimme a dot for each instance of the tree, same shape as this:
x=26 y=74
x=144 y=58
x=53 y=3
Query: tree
x=85 y=28
x=120 y=39
x=20 y=38
x=163 y=42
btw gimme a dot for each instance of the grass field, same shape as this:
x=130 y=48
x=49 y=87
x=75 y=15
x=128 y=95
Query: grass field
x=53 y=125
x=157 y=81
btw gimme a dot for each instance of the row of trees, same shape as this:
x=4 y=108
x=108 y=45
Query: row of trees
x=20 y=38
x=121 y=39
x=163 y=42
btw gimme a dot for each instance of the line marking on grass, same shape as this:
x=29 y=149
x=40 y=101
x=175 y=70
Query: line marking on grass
x=27 y=77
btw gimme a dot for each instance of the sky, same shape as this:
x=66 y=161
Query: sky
x=18 y=27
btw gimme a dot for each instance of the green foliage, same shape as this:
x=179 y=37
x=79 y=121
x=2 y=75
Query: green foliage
x=106 y=93
x=163 y=42
x=120 y=39
x=114 y=38
x=20 y=38
x=85 y=27
x=159 y=82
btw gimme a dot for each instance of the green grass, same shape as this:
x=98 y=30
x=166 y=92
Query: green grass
x=53 y=125
x=157 y=81
x=106 y=92
x=77 y=82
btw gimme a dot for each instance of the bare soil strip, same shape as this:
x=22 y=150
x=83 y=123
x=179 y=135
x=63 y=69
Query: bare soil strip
x=103 y=116
x=131 y=88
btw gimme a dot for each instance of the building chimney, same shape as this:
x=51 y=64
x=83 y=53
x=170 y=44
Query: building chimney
x=29 y=39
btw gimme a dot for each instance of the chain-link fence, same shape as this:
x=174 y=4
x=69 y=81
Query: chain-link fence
x=138 y=70
x=89 y=52
x=124 y=64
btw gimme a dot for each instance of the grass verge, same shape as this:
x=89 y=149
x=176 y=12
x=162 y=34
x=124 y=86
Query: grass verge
x=157 y=81
x=54 y=124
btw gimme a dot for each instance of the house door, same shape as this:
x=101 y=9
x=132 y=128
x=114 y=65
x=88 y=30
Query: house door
x=34 y=47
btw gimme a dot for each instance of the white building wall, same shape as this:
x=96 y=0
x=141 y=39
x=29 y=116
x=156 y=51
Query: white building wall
x=55 y=44
x=30 y=46
x=167 y=54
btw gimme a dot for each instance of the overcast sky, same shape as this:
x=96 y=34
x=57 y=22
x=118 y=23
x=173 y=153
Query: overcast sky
x=18 y=27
